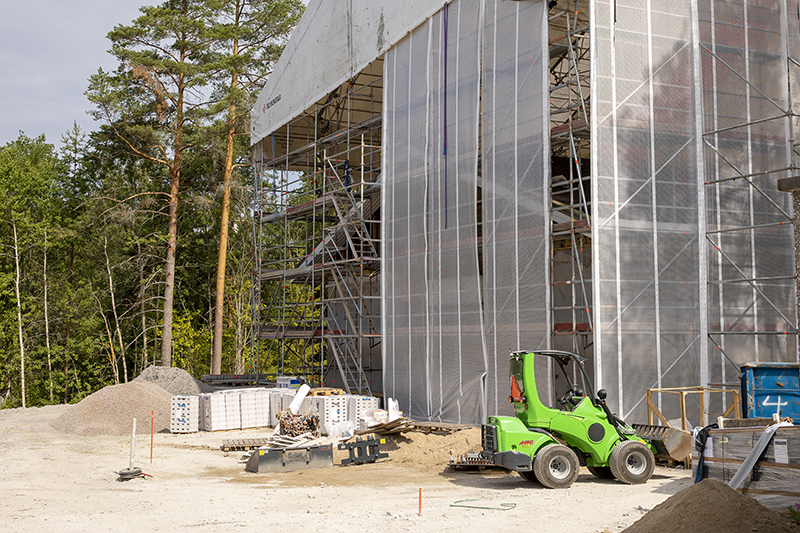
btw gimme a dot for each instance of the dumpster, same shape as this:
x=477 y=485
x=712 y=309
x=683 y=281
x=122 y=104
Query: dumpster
x=771 y=388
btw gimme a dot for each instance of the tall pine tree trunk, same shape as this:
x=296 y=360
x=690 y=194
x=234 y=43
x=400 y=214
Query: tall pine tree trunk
x=169 y=267
x=216 y=359
x=142 y=307
x=19 y=313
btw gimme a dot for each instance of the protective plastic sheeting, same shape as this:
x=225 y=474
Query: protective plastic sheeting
x=333 y=41
x=681 y=259
x=434 y=354
x=442 y=359
x=516 y=183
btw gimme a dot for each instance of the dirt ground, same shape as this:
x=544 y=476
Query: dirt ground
x=56 y=482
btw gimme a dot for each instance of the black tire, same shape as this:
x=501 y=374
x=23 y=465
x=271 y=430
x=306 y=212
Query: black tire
x=556 y=466
x=530 y=475
x=632 y=462
x=601 y=472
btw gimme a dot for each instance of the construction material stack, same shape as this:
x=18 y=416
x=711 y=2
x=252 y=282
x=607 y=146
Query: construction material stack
x=774 y=479
x=212 y=412
x=184 y=414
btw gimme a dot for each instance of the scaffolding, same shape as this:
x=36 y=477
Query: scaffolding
x=317 y=239
x=669 y=258
x=570 y=189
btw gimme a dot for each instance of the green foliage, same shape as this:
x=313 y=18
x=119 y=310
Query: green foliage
x=191 y=343
x=103 y=205
x=794 y=512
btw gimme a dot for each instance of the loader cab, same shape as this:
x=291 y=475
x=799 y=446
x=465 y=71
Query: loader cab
x=546 y=380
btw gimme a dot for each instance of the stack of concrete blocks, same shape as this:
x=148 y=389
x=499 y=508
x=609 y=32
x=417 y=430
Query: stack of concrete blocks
x=332 y=411
x=233 y=409
x=254 y=405
x=184 y=414
x=262 y=408
x=212 y=412
x=247 y=405
x=359 y=407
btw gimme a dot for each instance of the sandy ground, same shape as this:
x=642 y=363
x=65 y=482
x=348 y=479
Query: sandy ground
x=64 y=483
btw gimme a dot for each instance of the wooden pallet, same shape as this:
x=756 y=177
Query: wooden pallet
x=325 y=391
x=395 y=426
x=243 y=445
x=439 y=427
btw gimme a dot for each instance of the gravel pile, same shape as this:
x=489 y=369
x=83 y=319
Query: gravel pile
x=175 y=380
x=111 y=410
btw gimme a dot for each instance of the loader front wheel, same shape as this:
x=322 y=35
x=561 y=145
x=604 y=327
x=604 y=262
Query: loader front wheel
x=632 y=462
x=529 y=475
x=556 y=466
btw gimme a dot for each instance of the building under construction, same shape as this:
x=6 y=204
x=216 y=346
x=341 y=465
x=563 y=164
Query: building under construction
x=438 y=184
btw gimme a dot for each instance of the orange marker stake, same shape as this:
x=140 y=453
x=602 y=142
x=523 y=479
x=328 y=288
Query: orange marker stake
x=152 y=423
x=420 y=501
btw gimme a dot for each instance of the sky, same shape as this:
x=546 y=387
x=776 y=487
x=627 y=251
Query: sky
x=46 y=57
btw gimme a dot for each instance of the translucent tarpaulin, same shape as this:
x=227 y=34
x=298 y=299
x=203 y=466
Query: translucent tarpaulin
x=672 y=245
x=516 y=199
x=442 y=360
x=434 y=356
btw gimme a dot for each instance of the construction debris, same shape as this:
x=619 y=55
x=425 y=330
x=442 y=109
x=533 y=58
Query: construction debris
x=296 y=425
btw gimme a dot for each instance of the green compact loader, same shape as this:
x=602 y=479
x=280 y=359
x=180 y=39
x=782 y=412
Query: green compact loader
x=548 y=445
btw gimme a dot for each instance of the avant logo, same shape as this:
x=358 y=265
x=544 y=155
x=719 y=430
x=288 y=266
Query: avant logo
x=526 y=443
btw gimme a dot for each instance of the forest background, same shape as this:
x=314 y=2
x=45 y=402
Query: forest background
x=132 y=245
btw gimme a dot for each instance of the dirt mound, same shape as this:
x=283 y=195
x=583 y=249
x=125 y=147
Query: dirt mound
x=711 y=506
x=175 y=380
x=111 y=410
x=430 y=450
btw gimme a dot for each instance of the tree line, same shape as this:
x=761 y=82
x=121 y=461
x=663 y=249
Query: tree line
x=132 y=244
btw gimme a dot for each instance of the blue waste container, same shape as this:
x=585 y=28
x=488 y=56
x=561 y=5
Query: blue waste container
x=770 y=388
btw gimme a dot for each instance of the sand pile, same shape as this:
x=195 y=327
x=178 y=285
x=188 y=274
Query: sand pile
x=111 y=410
x=711 y=506
x=430 y=450
x=175 y=380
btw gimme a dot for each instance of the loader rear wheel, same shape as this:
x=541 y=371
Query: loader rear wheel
x=601 y=472
x=529 y=475
x=632 y=462
x=556 y=466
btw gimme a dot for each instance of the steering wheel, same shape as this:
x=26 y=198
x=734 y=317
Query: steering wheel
x=564 y=400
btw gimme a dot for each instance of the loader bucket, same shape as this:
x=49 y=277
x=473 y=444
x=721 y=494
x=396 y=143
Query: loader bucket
x=285 y=460
x=670 y=443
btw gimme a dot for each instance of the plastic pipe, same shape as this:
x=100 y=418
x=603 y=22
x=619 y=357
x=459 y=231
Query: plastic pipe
x=294 y=407
x=133 y=442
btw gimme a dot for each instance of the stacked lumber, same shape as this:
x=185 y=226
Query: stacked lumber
x=398 y=425
x=775 y=478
